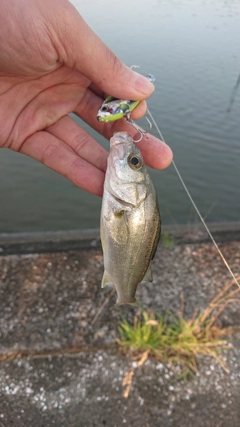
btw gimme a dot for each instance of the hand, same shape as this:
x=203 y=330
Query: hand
x=51 y=64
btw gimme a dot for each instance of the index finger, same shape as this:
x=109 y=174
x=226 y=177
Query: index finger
x=85 y=52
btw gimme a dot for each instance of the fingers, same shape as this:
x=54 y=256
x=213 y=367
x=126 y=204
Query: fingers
x=80 y=48
x=69 y=150
x=67 y=130
x=156 y=153
x=55 y=154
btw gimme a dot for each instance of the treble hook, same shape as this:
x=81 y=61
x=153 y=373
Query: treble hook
x=141 y=131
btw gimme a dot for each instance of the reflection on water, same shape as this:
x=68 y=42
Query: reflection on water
x=234 y=94
x=192 y=48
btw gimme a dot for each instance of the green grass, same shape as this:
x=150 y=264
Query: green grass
x=166 y=240
x=174 y=338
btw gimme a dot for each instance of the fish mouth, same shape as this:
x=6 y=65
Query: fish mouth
x=121 y=138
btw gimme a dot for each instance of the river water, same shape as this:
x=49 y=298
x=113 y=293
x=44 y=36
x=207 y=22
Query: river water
x=193 y=49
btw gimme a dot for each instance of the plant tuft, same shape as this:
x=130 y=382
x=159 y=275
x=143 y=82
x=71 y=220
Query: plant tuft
x=173 y=338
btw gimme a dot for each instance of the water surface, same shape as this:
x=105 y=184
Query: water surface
x=192 y=48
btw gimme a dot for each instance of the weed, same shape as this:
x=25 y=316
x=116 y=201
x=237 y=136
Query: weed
x=173 y=338
x=167 y=241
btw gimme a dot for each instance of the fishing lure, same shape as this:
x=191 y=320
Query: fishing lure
x=114 y=109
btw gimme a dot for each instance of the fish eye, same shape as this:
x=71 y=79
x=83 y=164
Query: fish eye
x=104 y=108
x=134 y=162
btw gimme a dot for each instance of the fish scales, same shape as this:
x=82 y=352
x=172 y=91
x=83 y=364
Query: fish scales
x=130 y=219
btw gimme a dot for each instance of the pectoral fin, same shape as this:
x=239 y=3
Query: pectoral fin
x=148 y=275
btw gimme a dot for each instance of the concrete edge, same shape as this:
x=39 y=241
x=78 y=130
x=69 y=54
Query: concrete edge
x=61 y=241
x=49 y=241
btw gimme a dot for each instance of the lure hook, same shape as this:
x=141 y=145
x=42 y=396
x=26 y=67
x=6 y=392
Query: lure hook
x=141 y=131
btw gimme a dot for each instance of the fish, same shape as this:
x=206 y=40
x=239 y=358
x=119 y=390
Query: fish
x=130 y=220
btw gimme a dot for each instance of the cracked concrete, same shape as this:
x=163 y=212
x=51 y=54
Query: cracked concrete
x=65 y=370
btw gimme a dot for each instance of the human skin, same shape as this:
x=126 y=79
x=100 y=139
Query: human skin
x=52 y=64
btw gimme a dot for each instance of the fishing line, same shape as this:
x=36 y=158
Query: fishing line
x=196 y=208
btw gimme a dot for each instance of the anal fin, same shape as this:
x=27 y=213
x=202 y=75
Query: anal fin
x=105 y=280
x=148 y=275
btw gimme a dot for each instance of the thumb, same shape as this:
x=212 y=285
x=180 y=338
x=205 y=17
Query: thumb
x=84 y=51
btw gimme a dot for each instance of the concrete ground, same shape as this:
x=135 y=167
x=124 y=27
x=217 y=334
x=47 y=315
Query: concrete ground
x=59 y=362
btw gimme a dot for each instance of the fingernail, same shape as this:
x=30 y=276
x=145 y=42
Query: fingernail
x=143 y=85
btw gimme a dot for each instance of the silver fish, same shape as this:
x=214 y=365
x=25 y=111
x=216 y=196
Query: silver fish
x=130 y=219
